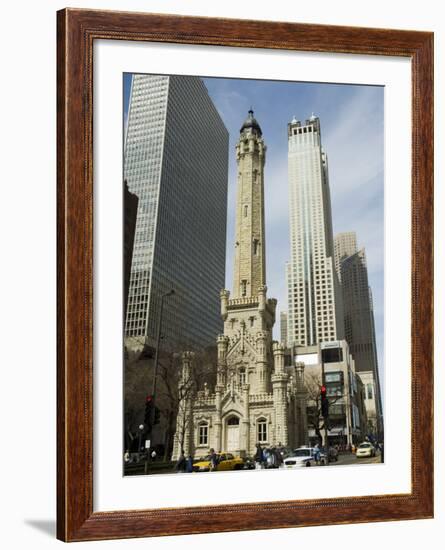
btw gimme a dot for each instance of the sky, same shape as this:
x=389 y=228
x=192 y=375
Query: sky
x=352 y=134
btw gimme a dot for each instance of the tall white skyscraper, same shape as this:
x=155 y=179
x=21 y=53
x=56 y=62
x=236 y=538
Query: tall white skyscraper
x=314 y=296
x=176 y=158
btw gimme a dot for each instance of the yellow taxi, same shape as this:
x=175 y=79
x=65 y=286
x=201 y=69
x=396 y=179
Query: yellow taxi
x=226 y=461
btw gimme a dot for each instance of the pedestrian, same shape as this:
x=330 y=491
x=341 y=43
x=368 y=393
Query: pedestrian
x=213 y=460
x=317 y=454
x=180 y=464
x=266 y=454
x=189 y=464
x=273 y=459
x=259 y=458
x=153 y=455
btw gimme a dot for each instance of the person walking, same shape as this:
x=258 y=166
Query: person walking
x=181 y=463
x=278 y=458
x=189 y=464
x=259 y=457
x=213 y=460
x=317 y=454
x=272 y=458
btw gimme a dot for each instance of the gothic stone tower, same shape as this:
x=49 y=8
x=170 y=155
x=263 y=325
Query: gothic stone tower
x=255 y=400
x=250 y=266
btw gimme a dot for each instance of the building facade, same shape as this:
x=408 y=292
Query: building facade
x=314 y=294
x=176 y=156
x=344 y=388
x=255 y=400
x=359 y=322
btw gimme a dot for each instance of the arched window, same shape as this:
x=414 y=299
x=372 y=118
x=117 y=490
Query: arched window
x=233 y=421
x=246 y=208
x=203 y=433
x=261 y=430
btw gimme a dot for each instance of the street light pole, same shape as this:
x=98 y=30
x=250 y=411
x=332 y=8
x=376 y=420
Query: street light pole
x=323 y=382
x=158 y=343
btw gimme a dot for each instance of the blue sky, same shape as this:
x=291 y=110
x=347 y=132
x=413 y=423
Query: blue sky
x=352 y=131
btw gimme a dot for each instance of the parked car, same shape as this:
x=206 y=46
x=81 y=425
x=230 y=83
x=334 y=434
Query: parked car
x=365 y=449
x=301 y=457
x=225 y=461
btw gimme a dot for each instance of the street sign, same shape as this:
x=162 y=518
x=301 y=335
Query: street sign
x=147 y=443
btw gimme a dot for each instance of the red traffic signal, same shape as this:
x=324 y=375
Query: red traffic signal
x=149 y=398
x=324 y=402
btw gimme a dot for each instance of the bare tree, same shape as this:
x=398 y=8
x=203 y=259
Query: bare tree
x=315 y=417
x=174 y=392
x=138 y=382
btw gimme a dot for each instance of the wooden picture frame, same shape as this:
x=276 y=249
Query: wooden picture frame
x=77 y=31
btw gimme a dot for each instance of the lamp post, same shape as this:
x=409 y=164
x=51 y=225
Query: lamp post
x=325 y=415
x=155 y=373
x=158 y=343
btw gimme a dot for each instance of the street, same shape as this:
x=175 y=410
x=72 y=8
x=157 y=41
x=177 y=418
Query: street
x=350 y=458
x=346 y=459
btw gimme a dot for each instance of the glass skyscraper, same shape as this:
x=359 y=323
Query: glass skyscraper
x=314 y=300
x=175 y=161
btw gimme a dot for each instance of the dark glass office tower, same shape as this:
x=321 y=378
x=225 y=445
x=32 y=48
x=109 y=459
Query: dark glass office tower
x=176 y=158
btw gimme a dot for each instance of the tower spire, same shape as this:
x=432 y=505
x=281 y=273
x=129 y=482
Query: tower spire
x=249 y=265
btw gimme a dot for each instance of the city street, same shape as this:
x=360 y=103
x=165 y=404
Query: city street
x=169 y=468
x=350 y=458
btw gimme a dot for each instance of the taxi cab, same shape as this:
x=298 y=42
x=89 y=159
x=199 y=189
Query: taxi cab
x=226 y=461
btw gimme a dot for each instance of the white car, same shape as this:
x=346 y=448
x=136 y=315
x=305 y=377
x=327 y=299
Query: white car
x=303 y=456
x=365 y=449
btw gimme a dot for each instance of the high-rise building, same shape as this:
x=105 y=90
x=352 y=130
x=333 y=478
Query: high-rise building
x=359 y=321
x=314 y=294
x=176 y=155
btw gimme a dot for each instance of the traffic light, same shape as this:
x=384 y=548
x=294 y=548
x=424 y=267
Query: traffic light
x=157 y=416
x=148 y=412
x=324 y=402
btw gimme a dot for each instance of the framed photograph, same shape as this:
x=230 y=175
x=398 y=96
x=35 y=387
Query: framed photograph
x=245 y=230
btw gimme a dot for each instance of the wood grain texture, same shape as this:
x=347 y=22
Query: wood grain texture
x=76 y=32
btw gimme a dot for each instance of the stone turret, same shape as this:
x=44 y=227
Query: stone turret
x=222 y=343
x=279 y=385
